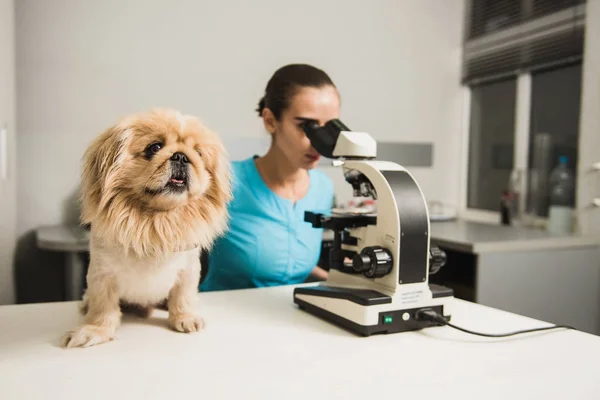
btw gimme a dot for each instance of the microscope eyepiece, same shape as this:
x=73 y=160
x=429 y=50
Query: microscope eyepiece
x=324 y=138
x=335 y=125
x=310 y=127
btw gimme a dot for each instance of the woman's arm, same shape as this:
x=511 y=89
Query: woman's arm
x=318 y=273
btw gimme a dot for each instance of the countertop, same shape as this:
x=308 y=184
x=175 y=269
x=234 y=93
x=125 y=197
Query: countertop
x=476 y=237
x=258 y=345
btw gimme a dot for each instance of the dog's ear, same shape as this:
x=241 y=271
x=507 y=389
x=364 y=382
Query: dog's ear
x=100 y=161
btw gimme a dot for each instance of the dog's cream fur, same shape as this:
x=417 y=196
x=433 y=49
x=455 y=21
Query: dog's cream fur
x=146 y=240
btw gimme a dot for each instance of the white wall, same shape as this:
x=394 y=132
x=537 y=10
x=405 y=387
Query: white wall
x=589 y=132
x=82 y=64
x=7 y=122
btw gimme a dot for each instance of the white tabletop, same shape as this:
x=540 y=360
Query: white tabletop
x=63 y=238
x=258 y=345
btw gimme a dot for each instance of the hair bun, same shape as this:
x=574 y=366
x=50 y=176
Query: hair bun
x=261 y=106
x=284 y=84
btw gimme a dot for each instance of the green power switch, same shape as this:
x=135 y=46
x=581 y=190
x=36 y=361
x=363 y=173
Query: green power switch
x=387 y=319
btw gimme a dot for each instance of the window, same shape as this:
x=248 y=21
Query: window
x=554 y=130
x=490 y=15
x=522 y=72
x=491 y=143
x=540 y=8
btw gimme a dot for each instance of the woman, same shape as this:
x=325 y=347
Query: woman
x=268 y=242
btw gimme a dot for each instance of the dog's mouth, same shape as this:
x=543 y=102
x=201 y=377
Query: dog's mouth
x=177 y=183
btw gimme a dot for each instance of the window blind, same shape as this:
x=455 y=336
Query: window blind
x=506 y=37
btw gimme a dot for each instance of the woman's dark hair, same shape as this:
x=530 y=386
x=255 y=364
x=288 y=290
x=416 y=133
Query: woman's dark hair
x=284 y=84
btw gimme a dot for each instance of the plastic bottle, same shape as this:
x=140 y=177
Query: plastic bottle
x=562 y=198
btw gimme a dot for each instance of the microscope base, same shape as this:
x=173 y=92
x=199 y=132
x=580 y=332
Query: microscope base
x=368 y=312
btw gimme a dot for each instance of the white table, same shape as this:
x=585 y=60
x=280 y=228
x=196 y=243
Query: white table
x=259 y=345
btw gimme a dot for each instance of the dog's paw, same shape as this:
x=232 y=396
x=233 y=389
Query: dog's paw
x=186 y=323
x=86 y=336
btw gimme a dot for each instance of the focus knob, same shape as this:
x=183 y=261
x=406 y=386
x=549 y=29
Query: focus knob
x=437 y=259
x=373 y=262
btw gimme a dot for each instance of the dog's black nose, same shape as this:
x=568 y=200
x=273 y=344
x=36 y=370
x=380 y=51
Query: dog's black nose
x=180 y=157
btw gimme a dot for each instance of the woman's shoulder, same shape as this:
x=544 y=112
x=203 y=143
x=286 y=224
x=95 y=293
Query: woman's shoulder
x=238 y=166
x=239 y=171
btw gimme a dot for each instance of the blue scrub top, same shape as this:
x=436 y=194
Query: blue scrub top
x=267 y=243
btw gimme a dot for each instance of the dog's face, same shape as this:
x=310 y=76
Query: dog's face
x=168 y=160
x=155 y=162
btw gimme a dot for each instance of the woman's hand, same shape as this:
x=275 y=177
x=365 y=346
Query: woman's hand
x=320 y=274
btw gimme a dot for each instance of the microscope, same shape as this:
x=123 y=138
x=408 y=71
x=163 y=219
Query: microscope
x=386 y=286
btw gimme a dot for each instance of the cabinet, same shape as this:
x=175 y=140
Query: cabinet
x=529 y=272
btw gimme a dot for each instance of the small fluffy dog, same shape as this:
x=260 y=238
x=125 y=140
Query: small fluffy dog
x=155 y=189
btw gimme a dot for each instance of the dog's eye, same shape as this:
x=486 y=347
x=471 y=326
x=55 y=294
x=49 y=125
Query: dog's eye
x=153 y=148
x=199 y=152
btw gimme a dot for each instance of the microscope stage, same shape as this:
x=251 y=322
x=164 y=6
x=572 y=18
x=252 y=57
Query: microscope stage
x=369 y=312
